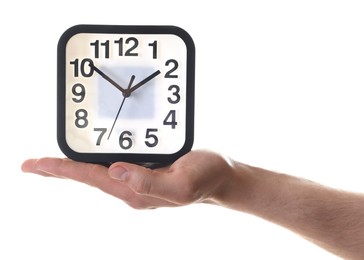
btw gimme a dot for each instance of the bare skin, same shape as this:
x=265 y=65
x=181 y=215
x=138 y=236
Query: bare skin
x=332 y=219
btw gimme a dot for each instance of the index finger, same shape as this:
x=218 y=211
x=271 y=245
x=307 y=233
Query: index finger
x=92 y=174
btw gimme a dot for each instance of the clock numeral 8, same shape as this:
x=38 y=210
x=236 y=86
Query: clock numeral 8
x=81 y=118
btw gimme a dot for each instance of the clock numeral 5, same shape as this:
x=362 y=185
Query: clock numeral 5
x=152 y=137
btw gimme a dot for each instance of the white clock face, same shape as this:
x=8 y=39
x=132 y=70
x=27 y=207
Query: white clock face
x=125 y=93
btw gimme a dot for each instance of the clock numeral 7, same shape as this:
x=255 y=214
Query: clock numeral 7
x=102 y=133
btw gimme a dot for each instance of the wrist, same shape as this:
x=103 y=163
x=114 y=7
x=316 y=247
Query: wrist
x=236 y=191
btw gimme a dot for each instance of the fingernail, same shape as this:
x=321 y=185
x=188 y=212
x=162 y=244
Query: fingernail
x=118 y=173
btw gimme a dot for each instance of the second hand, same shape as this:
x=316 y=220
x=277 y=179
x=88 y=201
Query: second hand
x=122 y=103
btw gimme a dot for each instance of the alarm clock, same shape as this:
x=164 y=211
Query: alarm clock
x=125 y=93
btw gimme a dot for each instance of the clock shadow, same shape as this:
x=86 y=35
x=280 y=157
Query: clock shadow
x=140 y=104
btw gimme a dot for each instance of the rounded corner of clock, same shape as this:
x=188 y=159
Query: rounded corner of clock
x=65 y=148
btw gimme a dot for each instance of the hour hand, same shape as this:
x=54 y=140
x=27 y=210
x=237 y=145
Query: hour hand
x=141 y=83
x=102 y=74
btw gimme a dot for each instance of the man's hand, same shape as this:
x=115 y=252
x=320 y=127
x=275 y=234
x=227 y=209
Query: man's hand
x=196 y=177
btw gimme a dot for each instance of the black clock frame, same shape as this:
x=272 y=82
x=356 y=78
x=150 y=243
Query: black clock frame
x=149 y=160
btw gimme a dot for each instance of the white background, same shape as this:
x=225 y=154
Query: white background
x=278 y=85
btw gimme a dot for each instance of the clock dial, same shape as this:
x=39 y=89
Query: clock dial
x=125 y=93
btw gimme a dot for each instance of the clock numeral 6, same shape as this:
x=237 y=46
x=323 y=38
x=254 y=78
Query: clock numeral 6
x=125 y=141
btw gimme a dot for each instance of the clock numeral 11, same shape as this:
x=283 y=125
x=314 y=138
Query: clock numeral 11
x=127 y=47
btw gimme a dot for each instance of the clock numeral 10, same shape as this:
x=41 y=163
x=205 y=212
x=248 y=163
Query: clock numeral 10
x=85 y=67
x=127 y=47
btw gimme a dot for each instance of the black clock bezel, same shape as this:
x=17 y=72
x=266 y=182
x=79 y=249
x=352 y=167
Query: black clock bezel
x=108 y=158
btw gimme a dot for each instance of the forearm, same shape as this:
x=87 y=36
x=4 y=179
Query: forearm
x=330 y=218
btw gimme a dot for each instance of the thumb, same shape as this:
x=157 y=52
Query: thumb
x=140 y=179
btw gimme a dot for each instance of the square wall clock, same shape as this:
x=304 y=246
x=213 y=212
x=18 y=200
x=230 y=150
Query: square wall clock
x=125 y=93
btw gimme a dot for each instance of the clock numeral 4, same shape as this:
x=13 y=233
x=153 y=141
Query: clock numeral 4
x=170 y=119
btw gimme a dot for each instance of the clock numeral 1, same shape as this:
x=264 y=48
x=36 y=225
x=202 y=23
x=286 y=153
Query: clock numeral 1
x=96 y=44
x=170 y=119
x=154 y=46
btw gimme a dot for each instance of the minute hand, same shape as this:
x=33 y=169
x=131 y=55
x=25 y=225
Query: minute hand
x=141 y=83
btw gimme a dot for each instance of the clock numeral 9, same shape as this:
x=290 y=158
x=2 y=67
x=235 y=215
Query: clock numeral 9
x=78 y=90
x=86 y=71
